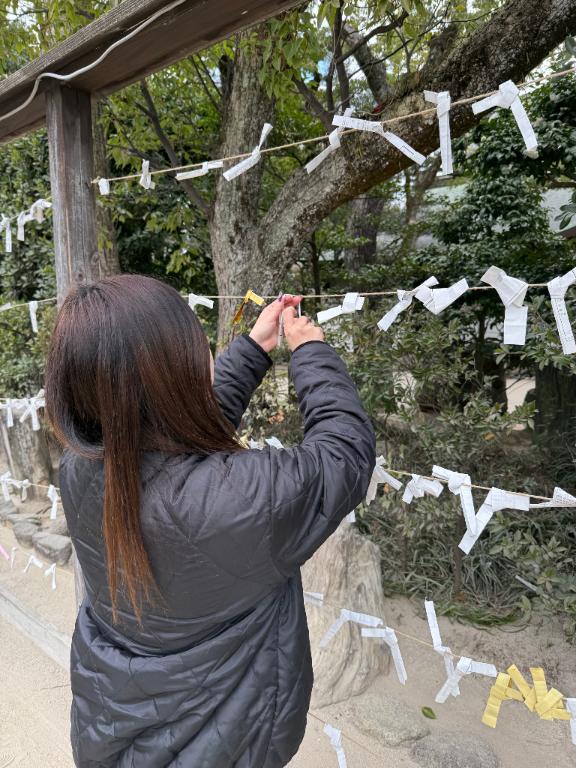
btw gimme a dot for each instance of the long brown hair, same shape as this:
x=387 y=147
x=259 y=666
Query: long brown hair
x=129 y=370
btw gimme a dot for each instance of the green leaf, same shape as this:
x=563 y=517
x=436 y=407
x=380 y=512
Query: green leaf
x=429 y=713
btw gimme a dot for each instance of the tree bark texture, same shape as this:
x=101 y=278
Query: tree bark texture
x=108 y=261
x=362 y=229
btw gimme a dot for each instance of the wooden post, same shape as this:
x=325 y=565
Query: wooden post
x=69 y=123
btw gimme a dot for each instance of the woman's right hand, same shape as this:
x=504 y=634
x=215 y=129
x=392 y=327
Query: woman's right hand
x=298 y=330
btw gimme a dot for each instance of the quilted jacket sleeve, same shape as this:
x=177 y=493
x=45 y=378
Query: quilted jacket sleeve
x=238 y=371
x=315 y=485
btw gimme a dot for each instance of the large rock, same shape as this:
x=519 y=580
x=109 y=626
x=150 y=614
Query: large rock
x=447 y=749
x=59 y=526
x=53 y=547
x=346 y=570
x=25 y=533
x=7 y=508
x=387 y=720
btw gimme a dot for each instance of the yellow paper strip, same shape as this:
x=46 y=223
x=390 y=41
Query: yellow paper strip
x=549 y=702
x=560 y=714
x=519 y=680
x=539 y=683
x=498 y=693
x=251 y=296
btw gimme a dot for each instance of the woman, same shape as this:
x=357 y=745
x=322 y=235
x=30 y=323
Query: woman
x=191 y=648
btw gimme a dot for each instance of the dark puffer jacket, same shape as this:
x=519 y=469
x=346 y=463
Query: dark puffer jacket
x=219 y=675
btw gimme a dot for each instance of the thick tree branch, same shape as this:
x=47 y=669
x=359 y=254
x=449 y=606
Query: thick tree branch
x=514 y=40
x=312 y=102
x=360 y=41
x=374 y=70
x=151 y=112
x=339 y=60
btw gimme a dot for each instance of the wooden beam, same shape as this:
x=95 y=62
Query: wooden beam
x=69 y=121
x=189 y=27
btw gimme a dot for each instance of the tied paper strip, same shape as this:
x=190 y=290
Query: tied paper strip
x=33 y=309
x=32 y=406
x=335 y=737
x=8 y=406
x=465 y=666
x=193 y=300
x=104 y=186
x=379 y=475
x=512 y=291
x=23 y=218
x=443 y=650
x=495 y=501
x=557 y=289
x=314 y=598
x=350 y=517
x=437 y=299
x=249 y=162
x=460 y=485
x=37 y=209
x=255 y=444
x=13 y=556
x=6 y=227
x=6 y=482
x=273 y=442
x=333 y=145
x=352 y=302
x=404 y=301
x=346 y=121
x=53 y=497
x=571 y=707
x=23 y=485
x=443 y=102
x=559 y=499
x=508 y=96
x=146 y=178
x=418 y=486
x=355 y=618
x=51 y=571
x=33 y=560
x=204 y=169
x=388 y=636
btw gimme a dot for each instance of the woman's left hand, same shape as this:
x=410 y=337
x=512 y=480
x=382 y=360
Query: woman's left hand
x=265 y=330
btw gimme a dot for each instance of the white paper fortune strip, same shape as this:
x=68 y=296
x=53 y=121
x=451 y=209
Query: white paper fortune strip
x=314 y=598
x=31 y=410
x=388 y=636
x=443 y=101
x=404 y=301
x=443 y=650
x=53 y=497
x=460 y=485
x=37 y=209
x=33 y=309
x=557 y=289
x=512 y=291
x=13 y=556
x=355 y=618
x=104 y=186
x=273 y=442
x=204 y=169
x=465 y=666
x=559 y=499
x=379 y=475
x=33 y=560
x=23 y=485
x=571 y=707
x=418 y=486
x=6 y=482
x=508 y=96
x=255 y=444
x=333 y=145
x=6 y=227
x=346 y=121
x=350 y=517
x=51 y=571
x=437 y=299
x=193 y=300
x=352 y=303
x=23 y=218
x=495 y=501
x=146 y=178
x=335 y=737
x=249 y=162
x=8 y=406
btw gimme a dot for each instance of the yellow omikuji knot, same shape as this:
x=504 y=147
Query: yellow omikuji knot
x=250 y=296
x=548 y=704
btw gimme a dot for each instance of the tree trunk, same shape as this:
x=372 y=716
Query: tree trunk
x=555 y=418
x=238 y=261
x=109 y=263
x=362 y=228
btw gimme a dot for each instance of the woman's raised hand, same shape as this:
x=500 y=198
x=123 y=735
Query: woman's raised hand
x=265 y=330
x=299 y=329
